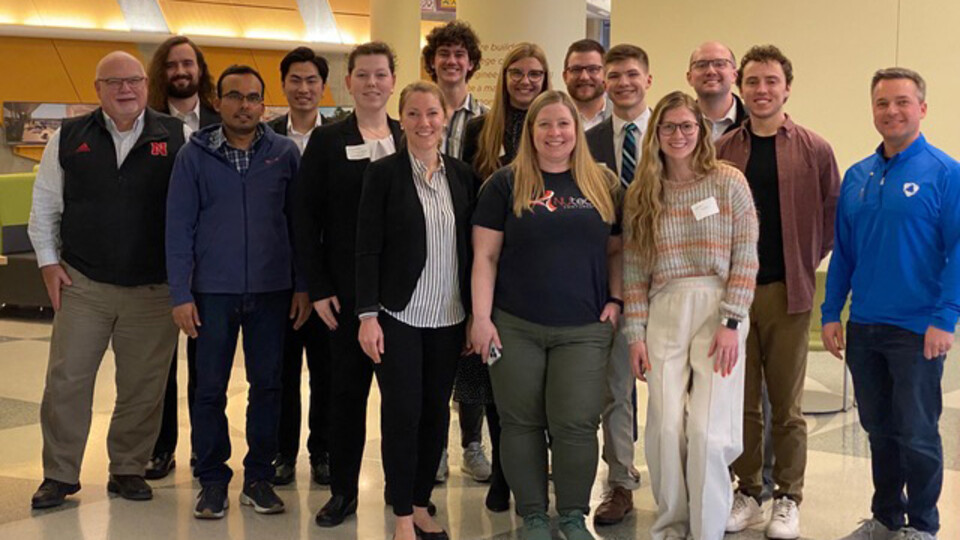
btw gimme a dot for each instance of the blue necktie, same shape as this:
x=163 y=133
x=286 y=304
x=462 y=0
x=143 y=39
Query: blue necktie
x=628 y=161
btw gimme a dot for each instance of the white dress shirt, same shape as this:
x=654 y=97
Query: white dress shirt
x=619 y=132
x=189 y=118
x=300 y=139
x=721 y=125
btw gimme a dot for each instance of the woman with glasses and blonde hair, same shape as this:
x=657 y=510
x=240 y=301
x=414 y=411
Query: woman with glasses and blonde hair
x=690 y=265
x=546 y=298
x=491 y=141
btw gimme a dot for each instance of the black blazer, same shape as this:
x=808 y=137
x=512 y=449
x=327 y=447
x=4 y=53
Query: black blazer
x=471 y=139
x=208 y=115
x=600 y=142
x=279 y=124
x=391 y=232
x=327 y=195
x=741 y=115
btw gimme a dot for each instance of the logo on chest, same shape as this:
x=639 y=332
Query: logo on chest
x=910 y=189
x=158 y=149
x=552 y=202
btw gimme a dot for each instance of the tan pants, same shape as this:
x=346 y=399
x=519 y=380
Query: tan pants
x=618 y=444
x=776 y=353
x=138 y=322
x=694 y=414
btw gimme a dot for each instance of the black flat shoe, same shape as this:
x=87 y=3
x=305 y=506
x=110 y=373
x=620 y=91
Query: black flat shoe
x=283 y=473
x=320 y=469
x=160 y=466
x=423 y=535
x=130 y=486
x=336 y=510
x=52 y=493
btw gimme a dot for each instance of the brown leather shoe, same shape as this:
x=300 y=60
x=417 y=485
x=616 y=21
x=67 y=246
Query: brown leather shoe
x=617 y=503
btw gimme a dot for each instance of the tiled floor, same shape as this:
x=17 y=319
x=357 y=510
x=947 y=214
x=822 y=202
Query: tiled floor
x=837 y=485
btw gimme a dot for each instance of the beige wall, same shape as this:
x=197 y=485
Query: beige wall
x=835 y=46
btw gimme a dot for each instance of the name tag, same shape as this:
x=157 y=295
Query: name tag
x=705 y=208
x=358 y=152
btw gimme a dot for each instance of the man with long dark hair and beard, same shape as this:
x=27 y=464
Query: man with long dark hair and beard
x=179 y=85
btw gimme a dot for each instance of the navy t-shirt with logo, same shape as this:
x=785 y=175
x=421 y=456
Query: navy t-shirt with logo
x=553 y=262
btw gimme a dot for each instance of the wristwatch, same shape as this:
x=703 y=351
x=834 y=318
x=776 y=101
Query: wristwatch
x=730 y=322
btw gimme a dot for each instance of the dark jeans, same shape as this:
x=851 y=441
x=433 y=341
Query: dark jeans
x=263 y=318
x=313 y=337
x=900 y=400
x=351 y=373
x=415 y=379
x=471 y=424
x=170 y=423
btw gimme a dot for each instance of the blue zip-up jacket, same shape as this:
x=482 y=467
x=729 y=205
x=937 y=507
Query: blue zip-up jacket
x=228 y=233
x=897 y=241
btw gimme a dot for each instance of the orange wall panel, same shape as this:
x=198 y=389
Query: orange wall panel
x=79 y=59
x=32 y=71
x=86 y=14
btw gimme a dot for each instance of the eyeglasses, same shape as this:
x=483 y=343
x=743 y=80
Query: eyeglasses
x=669 y=128
x=237 y=97
x=116 y=83
x=593 y=70
x=517 y=75
x=716 y=63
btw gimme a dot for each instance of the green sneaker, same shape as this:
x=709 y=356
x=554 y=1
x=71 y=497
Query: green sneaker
x=573 y=527
x=536 y=527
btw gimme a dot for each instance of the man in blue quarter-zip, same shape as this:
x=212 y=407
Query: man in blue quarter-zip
x=229 y=262
x=897 y=249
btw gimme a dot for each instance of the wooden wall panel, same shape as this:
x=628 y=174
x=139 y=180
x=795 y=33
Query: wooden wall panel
x=32 y=71
x=79 y=59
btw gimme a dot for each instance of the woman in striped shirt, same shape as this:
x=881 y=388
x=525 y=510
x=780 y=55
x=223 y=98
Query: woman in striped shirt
x=690 y=263
x=413 y=253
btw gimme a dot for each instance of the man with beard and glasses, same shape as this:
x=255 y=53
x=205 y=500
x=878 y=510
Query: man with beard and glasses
x=583 y=75
x=180 y=85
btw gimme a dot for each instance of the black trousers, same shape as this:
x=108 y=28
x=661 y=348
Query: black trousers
x=415 y=379
x=170 y=424
x=471 y=423
x=351 y=372
x=313 y=337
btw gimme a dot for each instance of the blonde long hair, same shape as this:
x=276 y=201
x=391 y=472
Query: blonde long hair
x=597 y=183
x=644 y=200
x=487 y=159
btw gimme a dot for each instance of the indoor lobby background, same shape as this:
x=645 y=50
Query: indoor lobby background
x=48 y=52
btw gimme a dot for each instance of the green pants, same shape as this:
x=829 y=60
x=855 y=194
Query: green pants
x=550 y=379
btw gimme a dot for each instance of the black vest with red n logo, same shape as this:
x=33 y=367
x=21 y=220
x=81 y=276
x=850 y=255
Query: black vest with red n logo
x=112 y=228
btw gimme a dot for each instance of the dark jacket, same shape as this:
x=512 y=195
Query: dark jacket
x=391 y=232
x=112 y=225
x=208 y=115
x=600 y=142
x=325 y=212
x=279 y=124
x=228 y=233
x=741 y=115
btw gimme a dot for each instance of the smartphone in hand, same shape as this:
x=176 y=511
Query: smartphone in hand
x=493 y=355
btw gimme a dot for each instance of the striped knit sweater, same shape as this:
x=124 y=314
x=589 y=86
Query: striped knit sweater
x=723 y=244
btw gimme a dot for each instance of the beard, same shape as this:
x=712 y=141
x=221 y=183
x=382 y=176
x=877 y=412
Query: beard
x=182 y=92
x=594 y=93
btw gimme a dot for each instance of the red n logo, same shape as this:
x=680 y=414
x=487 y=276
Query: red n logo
x=158 y=149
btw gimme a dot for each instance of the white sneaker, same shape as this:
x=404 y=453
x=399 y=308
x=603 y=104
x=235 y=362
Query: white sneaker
x=871 y=529
x=745 y=512
x=784 y=520
x=443 y=470
x=475 y=463
x=909 y=533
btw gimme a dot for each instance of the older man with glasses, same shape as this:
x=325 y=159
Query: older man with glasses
x=230 y=263
x=97 y=226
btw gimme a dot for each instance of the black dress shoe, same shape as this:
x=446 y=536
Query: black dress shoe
x=284 y=473
x=130 y=486
x=424 y=535
x=336 y=510
x=160 y=466
x=52 y=493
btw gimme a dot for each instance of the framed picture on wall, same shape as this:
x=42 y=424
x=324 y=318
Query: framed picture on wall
x=27 y=122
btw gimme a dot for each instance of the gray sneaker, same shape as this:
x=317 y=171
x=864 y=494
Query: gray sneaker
x=443 y=470
x=908 y=533
x=871 y=529
x=475 y=464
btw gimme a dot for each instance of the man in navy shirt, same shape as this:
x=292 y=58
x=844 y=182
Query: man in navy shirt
x=897 y=250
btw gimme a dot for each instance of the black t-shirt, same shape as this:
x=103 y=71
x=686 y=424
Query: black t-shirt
x=764 y=181
x=553 y=262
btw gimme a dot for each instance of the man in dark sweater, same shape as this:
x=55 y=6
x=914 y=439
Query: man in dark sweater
x=97 y=225
x=230 y=263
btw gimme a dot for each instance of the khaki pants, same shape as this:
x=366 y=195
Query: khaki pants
x=618 y=444
x=138 y=322
x=694 y=414
x=776 y=353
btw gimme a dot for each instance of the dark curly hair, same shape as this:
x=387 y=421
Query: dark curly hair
x=763 y=54
x=452 y=33
x=157 y=74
